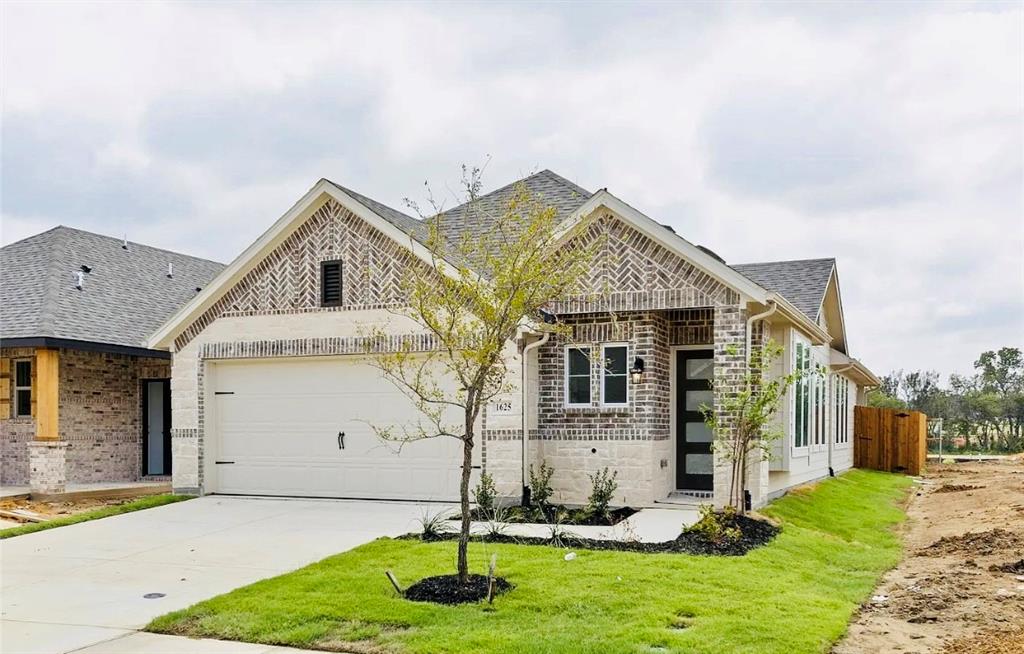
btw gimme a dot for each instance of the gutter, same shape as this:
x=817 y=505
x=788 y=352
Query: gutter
x=524 y=406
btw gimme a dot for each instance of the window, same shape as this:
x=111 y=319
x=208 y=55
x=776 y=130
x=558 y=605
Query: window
x=330 y=283
x=841 y=405
x=577 y=376
x=802 y=395
x=23 y=388
x=820 y=402
x=614 y=374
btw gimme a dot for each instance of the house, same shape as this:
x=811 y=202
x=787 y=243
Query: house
x=274 y=395
x=82 y=399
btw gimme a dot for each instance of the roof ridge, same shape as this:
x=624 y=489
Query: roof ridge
x=352 y=191
x=760 y=263
x=35 y=236
x=546 y=172
x=141 y=245
x=569 y=184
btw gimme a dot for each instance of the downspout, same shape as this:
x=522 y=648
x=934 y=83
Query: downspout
x=524 y=407
x=831 y=471
x=772 y=308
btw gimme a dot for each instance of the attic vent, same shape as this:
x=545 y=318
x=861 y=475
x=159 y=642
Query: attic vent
x=86 y=269
x=669 y=228
x=710 y=252
x=330 y=283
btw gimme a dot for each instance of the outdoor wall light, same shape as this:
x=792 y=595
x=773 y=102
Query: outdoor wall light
x=636 y=373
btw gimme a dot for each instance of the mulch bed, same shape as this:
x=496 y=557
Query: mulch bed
x=753 y=534
x=551 y=514
x=446 y=589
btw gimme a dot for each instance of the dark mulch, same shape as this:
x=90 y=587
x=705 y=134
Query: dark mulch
x=1013 y=567
x=754 y=533
x=446 y=589
x=551 y=514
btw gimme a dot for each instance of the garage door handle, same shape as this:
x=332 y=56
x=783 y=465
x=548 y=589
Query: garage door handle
x=221 y=463
x=341 y=440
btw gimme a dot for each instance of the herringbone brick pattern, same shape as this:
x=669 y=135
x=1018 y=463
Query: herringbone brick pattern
x=288 y=279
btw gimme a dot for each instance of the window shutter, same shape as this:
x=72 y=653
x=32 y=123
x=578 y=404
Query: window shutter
x=5 y=388
x=330 y=283
x=35 y=391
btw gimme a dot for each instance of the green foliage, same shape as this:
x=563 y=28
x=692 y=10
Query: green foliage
x=743 y=426
x=485 y=493
x=540 y=484
x=716 y=526
x=105 y=512
x=603 y=488
x=797 y=593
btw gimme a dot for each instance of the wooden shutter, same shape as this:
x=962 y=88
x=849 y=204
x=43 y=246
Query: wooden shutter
x=5 y=388
x=35 y=388
x=330 y=283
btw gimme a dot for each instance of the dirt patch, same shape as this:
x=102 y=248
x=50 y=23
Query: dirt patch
x=58 y=509
x=1014 y=567
x=956 y=488
x=945 y=597
x=446 y=589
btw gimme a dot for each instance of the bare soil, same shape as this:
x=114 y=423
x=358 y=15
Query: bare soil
x=957 y=590
x=51 y=510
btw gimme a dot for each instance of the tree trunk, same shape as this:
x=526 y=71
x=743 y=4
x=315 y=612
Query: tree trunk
x=467 y=470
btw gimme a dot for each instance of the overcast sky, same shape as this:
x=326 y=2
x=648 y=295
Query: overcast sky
x=887 y=135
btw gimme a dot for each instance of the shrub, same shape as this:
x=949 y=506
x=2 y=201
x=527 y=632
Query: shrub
x=433 y=525
x=604 y=486
x=485 y=494
x=716 y=526
x=540 y=484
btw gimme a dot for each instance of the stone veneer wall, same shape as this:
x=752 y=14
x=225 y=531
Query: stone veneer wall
x=101 y=413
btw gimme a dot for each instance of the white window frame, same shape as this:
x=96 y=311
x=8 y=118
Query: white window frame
x=604 y=369
x=15 y=388
x=800 y=450
x=588 y=351
x=841 y=406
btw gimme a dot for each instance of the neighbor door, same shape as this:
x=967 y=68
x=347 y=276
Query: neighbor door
x=156 y=427
x=694 y=461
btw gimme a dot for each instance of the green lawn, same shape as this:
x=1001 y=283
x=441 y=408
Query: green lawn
x=104 y=512
x=794 y=595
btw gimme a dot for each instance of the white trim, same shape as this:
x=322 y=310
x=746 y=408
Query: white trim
x=277 y=233
x=805 y=449
x=589 y=349
x=601 y=371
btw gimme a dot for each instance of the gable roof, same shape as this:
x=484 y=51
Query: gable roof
x=803 y=282
x=126 y=295
x=411 y=226
x=552 y=190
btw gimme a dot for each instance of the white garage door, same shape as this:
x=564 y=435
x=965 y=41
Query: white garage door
x=302 y=427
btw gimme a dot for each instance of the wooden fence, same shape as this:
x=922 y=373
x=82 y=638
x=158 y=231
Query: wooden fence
x=889 y=439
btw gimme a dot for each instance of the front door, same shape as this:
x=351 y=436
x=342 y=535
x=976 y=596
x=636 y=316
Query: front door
x=156 y=427
x=694 y=461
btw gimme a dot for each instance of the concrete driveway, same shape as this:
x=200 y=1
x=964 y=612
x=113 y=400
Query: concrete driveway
x=71 y=587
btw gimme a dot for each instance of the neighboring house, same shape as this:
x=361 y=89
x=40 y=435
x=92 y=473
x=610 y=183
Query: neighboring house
x=82 y=399
x=273 y=392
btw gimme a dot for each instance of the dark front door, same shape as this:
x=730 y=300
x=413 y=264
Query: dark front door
x=694 y=462
x=156 y=427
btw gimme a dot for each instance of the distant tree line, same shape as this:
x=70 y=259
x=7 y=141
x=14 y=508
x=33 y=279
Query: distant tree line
x=982 y=411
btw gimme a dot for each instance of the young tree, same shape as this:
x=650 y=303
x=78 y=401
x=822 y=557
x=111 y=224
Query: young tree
x=474 y=299
x=744 y=426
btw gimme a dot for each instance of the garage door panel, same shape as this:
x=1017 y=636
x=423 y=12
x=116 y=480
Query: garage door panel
x=277 y=423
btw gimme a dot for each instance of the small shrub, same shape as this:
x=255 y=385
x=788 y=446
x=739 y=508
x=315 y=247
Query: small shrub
x=540 y=484
x=433 y=524
x=716 y=526
x=604 y=486
x=496 y=522
x=485 y=494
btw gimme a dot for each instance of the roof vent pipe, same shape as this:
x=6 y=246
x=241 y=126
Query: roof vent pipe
x=124 y=243
x=79 y=279
x=170 y=270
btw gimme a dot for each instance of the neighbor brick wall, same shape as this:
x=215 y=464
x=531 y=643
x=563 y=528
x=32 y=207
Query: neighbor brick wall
x=101 y=413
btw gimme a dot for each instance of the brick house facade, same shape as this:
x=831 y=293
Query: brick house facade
x=652 y=292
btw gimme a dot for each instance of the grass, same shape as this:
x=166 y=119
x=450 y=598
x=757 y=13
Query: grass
x=792 y=596
x=103 y=512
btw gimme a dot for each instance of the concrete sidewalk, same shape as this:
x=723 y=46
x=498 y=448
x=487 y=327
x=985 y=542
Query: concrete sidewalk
x=142 y=643
x=69 y=588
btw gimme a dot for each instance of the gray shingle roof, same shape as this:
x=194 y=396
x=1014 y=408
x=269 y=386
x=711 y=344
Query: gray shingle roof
x=404 y=222
x=126 y=296
x=802 y=282
x=552 y=190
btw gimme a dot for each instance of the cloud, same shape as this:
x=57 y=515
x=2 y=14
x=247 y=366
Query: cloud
x=888 y=136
